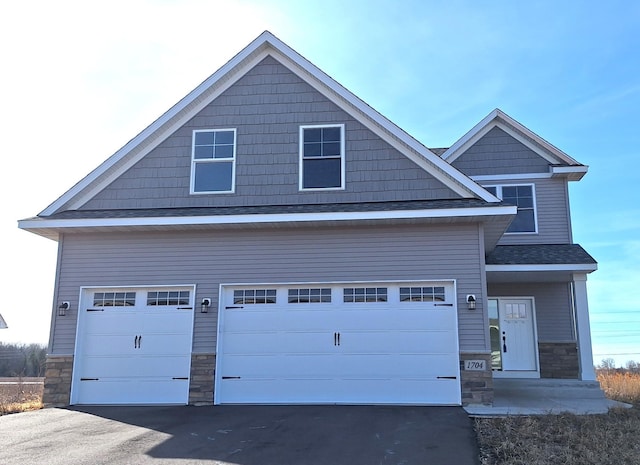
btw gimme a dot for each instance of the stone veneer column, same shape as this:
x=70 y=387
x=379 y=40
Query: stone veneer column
x=559 y=360
x=201 y=383
x=57 y=380
x=477 y=385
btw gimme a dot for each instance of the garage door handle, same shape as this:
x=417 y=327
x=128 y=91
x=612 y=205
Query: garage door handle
x=336 y=339
x=137 y=342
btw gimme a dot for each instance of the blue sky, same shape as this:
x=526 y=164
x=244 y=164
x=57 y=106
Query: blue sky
x=80 y=79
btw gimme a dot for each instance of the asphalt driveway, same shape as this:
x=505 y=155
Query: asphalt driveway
x=243 y=435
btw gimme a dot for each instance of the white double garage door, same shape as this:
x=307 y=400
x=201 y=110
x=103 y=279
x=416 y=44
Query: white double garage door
x=371 y=343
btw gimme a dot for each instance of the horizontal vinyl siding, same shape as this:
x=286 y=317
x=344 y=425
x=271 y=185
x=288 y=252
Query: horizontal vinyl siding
x=552 y=211
x=499 y=153
x=272 y=256
x=553 y=307
x=267 y=107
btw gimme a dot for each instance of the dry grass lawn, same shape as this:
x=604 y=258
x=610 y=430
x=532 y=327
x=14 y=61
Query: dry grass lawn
x=567 y=439
x=20 y=395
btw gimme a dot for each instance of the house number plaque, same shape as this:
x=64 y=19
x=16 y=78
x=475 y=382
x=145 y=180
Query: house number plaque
x=474 y=365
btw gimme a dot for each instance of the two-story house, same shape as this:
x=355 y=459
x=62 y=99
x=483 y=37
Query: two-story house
x=273 y=239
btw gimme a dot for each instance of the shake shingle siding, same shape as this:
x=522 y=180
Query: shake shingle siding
x=209 y=258
x=499 y=153
x=266 y=107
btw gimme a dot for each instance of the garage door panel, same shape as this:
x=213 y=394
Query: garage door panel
x=109 y=344
x=406 y=341
x=397 y=318
x=276 y=319
x=278 y=342
x=146 y=391
x=109 y=322
x=267 y=366
x=149 y=366
x=396 y=366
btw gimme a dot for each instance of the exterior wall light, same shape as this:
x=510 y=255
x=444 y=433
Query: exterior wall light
x=471 y=302
x=62 y=309
x=204 y=305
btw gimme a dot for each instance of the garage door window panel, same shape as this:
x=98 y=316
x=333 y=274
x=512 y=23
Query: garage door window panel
x=423 y=294
x=254 y=296
x=365 y=294
x=165 y=298
x=310 y=296
x=114 y=299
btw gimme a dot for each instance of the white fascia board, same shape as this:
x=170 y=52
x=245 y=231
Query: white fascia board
x=510 y=177
x=573 y=173
x=587 y=268
x=221 y=80
x=38 y=223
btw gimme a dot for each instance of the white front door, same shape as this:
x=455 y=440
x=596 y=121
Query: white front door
x=374 y=343
x=513 y=336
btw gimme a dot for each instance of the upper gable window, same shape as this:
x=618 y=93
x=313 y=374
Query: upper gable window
x=523 y=196
x=213 y=161
x=322 y=157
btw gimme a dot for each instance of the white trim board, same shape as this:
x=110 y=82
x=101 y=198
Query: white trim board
x=588 y=268
x=40 y=223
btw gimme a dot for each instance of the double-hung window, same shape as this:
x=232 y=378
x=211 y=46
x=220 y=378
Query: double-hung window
x=322 y=157
x=523 y=196
x=213 y=161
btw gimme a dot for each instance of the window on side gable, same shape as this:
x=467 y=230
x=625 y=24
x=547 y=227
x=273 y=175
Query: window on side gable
x=213 y=161
x=523 y=196
x=322 y=157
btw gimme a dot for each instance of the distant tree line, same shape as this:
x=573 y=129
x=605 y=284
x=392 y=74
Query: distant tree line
x=609 y=365
x=22 y=360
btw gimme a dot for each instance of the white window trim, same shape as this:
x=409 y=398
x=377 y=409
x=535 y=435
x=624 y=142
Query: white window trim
x=192 y=185
x=301 y=159
x=535 y=205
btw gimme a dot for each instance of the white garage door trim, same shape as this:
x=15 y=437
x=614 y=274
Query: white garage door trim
x=391 y=351
x=133 y=346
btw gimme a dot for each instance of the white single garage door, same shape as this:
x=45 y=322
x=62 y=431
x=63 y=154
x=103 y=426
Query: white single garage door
x=371 y=343
x=133 y=346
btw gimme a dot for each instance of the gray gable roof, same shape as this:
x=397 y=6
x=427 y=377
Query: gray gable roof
x=539 y=254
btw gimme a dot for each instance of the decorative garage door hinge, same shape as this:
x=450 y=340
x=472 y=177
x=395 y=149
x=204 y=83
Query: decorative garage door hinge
x=95 y=309
x=233 y=308
x=447 y=377
x=231 y=377
x=89 y=379
x=179 y=377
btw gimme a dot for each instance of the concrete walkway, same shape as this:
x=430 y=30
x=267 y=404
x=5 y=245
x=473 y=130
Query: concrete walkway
x=544 y=396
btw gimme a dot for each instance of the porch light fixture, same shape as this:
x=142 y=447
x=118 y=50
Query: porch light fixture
x=204 y=305
x=62 y=309
x=471 y=302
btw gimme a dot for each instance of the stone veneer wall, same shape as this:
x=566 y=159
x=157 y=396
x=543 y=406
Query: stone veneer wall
x=57 y=380
x=201 y=383
x=477 y=386
x=559 y=360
